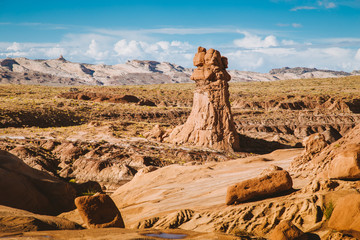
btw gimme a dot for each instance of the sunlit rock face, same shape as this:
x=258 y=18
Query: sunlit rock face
x=210 y=123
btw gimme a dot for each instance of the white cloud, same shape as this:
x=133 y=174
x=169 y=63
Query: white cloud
x=320 y=5
x=256 y=52
x=94 y=51
x=296 y=25
x=357 y=55
x=302 y=8
x=14 y=47
x=288 y=42
x=327 y=4
x=254 y=41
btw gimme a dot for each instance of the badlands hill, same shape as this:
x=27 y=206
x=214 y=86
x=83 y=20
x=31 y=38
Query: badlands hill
x=57 y=72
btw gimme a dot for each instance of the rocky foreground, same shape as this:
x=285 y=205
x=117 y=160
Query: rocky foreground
x=60 y=72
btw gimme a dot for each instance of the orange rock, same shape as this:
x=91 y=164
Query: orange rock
x=285 y=230
x=99 y=211
x=346 y=215
x=346 y=164
x=313 y=144
x=210 y=123
x=259 y=187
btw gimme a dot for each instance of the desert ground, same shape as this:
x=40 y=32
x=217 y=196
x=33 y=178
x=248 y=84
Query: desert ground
x=111 y=139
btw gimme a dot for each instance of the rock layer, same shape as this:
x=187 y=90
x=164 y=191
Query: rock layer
x=210 y=123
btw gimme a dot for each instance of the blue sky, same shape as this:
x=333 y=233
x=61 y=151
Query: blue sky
x=256 y=35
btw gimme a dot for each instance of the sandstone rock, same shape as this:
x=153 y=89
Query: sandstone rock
x=99 y=211
x=140 y=161
x=346 y=164
x=313 y=145
x=144 y=170
x=89 y=186
x=285 y=230
x=67 y=151
x=61 y=58
x=110 y=173
x=346 y=215
x=146 y=102
x=156 y=133
x=14 y=220
x=331 y=135
x=260 y=187
x=210 y=123
x=26 y=188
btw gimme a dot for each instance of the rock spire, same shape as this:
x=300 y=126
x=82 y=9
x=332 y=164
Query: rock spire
x=210 y=123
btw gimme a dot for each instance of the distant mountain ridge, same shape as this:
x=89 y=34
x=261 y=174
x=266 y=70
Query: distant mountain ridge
x=62 y=72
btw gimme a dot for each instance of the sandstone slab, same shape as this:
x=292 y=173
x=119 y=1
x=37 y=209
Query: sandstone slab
x=15 y=220
x=346 y=164
x=346 y=215
x=26 y=188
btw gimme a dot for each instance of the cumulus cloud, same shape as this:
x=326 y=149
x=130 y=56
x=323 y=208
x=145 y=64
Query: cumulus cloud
x=254 y=52
x=95 y=51
x=14 y=47
x=254 y=41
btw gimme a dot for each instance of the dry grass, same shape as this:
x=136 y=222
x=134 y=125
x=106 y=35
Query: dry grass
x=27 y=105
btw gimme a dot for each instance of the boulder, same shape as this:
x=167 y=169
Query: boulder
x=99 y=211
x=346 y=215
x=313 y=144
x=156 y=133
x=285 y=230
x=260 y=187
x=346 y=164
x=26 y=188
x=210 y=123
x=331 y=135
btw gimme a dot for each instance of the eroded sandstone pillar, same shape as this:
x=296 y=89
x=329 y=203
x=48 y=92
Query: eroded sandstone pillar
x=210 y=123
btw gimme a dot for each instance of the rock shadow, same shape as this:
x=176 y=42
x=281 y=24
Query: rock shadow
x=260 y=146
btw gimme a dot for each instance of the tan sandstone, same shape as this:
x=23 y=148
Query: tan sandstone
x=346 y=215
x=33 y=190
x=210 y=123
x=346 y=164
x=286 y=231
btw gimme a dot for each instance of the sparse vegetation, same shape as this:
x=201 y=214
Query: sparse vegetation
x=329 y=208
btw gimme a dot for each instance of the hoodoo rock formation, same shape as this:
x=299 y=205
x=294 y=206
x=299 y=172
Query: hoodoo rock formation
x=210 y=123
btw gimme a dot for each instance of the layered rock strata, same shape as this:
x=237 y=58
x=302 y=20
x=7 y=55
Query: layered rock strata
x=210 y=123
